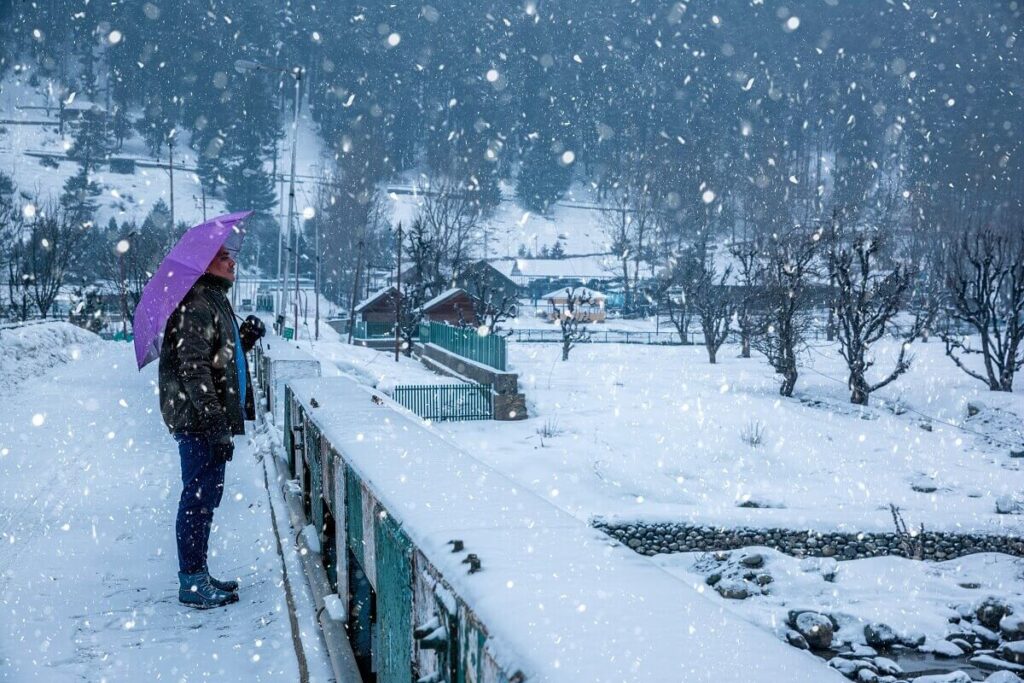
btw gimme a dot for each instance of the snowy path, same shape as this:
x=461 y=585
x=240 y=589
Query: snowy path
x=89 y=482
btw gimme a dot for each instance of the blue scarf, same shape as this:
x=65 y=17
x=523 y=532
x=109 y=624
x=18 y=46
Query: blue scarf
x=240 y=368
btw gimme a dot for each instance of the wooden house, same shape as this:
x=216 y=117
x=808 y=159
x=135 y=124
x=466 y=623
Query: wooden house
x=452 y=306
x=379 y=307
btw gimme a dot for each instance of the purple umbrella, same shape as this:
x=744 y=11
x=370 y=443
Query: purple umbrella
x=179 y=270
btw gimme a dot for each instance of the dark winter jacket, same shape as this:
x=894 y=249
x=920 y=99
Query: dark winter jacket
x=198 y=374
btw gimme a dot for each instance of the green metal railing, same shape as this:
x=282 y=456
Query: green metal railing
x=607 y=337
x=374 y=330
x=455 y=402
x=465 y=342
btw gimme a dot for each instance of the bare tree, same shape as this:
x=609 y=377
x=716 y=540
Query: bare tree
x=11 y=238
x=786 y=266
x=128 y=257
x=571 y=322
x=491 y=305
x=866 y=298
x=745 y=253
x=450 y=217
x=709 y=297
x=984 y=273
x=19 y=289
x=53 y=245
x=629 y=225
x=671 y=297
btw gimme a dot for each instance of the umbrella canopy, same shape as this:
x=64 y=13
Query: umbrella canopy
x=179 y=270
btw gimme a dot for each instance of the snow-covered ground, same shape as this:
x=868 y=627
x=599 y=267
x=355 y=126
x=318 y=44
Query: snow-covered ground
x=657 y=433
x=90 y=481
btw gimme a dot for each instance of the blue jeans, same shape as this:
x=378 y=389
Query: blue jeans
x=202 y=477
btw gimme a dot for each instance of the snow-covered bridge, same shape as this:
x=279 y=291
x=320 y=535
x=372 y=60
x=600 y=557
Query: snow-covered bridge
x=87 y=566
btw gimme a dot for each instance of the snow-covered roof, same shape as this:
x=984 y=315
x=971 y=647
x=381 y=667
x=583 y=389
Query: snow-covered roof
x=504 y=266
x=443 y=296
x=374 y=298
x=581 y=267
x=576 y=292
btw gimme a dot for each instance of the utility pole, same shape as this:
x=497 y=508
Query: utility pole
x=398 y=296
x=297 y=75
x=355 y=288
x=243 y=66
x=316 y=283
x=170 y=165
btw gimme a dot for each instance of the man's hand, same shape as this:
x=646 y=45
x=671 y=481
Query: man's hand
x=251 y=330
x=223 y=448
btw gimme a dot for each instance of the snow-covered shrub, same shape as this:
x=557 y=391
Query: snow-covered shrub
x=752 y=433
x=550 y=429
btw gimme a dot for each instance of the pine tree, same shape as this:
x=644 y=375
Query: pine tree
x=543 y=178
x=78 y=197
x=91 y=144
x=249 y=187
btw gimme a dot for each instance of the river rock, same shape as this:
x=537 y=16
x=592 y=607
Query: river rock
x=867 y=676
x=887 y=667
x=1012 y=652
x=991 y=663
x=879 y=635
x=1012 y=627
x=1004 y=677
x=983 y=636
x=947 y=649
x=1008 y=505
x=952 y=677
x=796 y=640
x=753 y=561
x=991 y=611
x=816 y=628
x=732 y=589
x=851 y=667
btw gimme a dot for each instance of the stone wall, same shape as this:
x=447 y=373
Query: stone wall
x=651 y=539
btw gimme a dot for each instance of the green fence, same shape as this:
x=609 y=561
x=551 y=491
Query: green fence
x=465 y=342
x=374 y=330
x=447 y=401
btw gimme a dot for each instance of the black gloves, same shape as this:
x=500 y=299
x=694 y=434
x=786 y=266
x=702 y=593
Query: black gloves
x=223 y=448
x=251 y=330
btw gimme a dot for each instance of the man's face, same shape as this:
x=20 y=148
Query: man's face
x=222 y=265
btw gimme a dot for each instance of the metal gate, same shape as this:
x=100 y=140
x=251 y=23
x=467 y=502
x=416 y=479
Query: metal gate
x=447 y=401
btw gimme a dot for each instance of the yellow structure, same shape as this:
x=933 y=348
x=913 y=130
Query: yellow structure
x=588 y=304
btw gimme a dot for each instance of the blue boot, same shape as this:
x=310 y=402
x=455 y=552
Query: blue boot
x=195 y=590
x=228 y=586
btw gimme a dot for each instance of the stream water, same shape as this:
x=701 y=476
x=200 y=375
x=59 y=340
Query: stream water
x=916 y=663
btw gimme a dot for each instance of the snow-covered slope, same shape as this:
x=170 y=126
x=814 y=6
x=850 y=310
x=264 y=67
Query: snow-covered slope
x=34 y=349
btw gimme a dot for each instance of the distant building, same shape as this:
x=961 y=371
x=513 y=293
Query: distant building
x=582 y=269
x=452 y=307
x=593 y=311
x=261 y=293
x=379 y=307
x=488 y=277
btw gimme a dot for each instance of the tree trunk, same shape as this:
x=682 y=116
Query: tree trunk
x=711 y=355
x=745 y=344
x=789 y=377
x=565 y=352
x=859 y=393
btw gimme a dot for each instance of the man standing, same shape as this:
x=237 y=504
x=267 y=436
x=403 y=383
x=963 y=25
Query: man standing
x=205 y=398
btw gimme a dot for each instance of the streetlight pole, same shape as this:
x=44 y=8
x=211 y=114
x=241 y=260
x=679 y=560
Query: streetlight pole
x=242 y=66
x=398 y=295
x=316 y=283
